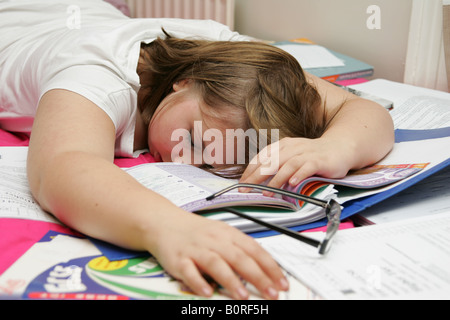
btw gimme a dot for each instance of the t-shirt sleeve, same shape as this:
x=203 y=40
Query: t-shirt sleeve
x=106 y=90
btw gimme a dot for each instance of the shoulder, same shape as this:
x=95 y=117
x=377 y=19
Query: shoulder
x=332 y=97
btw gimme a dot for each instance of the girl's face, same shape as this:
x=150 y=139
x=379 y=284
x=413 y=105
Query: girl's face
x=181 y=111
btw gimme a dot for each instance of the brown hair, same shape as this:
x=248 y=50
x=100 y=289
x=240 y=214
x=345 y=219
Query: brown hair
x=264 y=82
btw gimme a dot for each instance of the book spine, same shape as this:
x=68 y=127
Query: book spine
x=348 y=76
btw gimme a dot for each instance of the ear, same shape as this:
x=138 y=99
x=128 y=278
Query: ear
x=177 y=86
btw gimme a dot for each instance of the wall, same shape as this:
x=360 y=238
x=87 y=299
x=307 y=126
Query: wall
x=340 y=25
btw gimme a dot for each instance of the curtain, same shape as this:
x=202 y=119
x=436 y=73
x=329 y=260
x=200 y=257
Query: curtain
x=425 y=59
x=446 y=17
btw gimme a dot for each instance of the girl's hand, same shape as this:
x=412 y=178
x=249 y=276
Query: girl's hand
x=292 y=160
x=193 y=247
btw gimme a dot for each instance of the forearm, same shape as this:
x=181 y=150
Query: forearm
x=99 y=199
x=72 y=175
x=363 y=131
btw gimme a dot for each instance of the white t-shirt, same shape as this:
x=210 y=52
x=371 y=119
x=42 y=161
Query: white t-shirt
x=85 y=46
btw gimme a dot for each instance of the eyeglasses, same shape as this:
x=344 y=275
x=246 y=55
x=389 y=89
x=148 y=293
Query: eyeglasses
x=332 y=211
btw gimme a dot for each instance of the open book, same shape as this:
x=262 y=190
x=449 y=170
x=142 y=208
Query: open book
x=188 y=186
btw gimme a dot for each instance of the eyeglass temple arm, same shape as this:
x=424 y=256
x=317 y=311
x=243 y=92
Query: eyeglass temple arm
x=318 y=202
x=276 y=228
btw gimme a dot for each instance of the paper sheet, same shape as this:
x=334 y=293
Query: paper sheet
x=13 y=154
x=401 y=260
x=414 y=107
x=312 y=56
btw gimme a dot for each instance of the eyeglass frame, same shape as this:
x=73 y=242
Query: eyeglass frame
x=332 y=212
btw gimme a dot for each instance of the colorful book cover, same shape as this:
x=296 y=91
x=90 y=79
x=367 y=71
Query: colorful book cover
x=67 y=267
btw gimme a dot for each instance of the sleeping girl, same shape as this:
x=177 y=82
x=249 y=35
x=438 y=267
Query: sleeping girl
x=114 y=85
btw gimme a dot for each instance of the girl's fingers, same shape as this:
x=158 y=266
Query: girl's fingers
x=219 y=270
x=228 y=268
x=266 y=164
x=191 y=277
x=267 y=264
x=252 y=173
x=293 y=172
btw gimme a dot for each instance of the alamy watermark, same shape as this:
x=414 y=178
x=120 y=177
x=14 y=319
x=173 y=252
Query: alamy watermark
x=374 y=20
x=73 y=20
x=233 y=147
x=374 y=277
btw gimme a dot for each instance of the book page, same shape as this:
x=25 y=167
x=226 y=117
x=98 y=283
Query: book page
x=188 y=186
x=415 y=108
x=422 y=113
x=312 y=56
x=404 y=260
x=179 y=190
x=13 y=154
x=16 y=200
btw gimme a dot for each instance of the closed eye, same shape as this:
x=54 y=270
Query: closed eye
x=193 y=144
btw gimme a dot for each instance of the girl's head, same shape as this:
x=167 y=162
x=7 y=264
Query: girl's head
x=233 y=84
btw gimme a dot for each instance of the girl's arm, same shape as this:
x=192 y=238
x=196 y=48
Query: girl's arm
x=72 y=175
x=359 y=134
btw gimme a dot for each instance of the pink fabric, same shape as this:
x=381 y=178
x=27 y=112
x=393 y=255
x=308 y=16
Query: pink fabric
x=131 y=162
x=8 y=139
x=121 y=5
x=18 y=235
